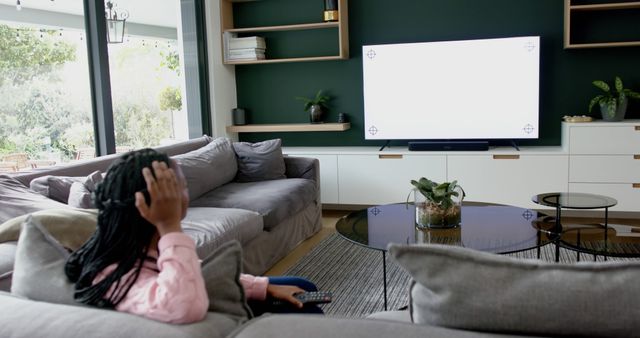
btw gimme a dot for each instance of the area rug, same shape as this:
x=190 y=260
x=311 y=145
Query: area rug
x=353 y=274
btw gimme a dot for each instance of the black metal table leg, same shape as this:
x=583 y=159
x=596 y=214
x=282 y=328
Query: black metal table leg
x=384 y=277
x=578 y=244
x=558 y=230
x=606 y=231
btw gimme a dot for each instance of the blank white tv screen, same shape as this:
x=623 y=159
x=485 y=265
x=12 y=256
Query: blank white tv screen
x=471 y=89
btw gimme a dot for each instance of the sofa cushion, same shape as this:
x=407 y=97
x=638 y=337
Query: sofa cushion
x=211 y=227
x=80 y=193
x=26 y=318
x=208 y=167
x=259 y=161
x=7 y=257
x=275 y=200
x=467 y=289
x=55 y=187
x=70 y=227
x=313 y=326
x=39 y=266
x=16 y=199
x=221 y=272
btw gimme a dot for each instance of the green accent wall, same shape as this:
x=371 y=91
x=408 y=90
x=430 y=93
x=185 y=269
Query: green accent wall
x=268 y=91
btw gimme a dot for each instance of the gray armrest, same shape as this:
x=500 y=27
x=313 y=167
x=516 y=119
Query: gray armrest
x=302 y=167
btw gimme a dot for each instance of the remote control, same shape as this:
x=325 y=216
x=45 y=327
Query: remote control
x=317 y=297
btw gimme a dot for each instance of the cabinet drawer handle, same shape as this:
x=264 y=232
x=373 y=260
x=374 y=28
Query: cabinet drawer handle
x=382 y=157
x=506 y=157
x=636 y=185
x=636 y=157
x=637 y=128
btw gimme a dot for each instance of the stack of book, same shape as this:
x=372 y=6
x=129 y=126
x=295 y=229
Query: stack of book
x=247 y=48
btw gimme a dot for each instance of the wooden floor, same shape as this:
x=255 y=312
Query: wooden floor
x=330 y=217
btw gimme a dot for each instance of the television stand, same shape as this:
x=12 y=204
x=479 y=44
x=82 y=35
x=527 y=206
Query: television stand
x=385 y=145
x=448 y=145
x=514 y=144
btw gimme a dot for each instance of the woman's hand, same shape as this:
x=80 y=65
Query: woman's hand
x=285 y=292
x=165 y=210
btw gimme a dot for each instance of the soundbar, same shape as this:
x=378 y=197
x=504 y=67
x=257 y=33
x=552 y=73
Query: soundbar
x=448 y=145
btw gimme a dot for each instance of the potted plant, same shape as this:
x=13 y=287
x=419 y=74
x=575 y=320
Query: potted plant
x=613 y=103
x=315 y=106
x=438 y=205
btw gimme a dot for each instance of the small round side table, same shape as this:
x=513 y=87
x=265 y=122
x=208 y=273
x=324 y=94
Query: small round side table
x=574 y=200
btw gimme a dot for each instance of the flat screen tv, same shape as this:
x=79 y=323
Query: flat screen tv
x=452 y=90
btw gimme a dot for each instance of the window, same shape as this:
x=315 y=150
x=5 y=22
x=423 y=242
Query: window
x=46 y=112
x=45 y=102
x=147 y=83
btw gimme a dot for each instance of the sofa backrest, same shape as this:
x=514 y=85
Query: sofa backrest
x=101 y=163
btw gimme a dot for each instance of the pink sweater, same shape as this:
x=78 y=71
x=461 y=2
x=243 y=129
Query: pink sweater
x=172 y=290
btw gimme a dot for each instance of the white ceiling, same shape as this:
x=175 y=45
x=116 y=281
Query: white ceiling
x=151 y=12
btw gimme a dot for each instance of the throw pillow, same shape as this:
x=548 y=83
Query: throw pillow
x=221 y=272
x=80 y=194
x=16 y=199
x=208 y=167
x=467 y=289
x=38 y=271
x=259 y=161
x=54 y=187
x=70 y=227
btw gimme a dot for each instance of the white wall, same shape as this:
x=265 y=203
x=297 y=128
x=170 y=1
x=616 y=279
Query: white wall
x=222 y=78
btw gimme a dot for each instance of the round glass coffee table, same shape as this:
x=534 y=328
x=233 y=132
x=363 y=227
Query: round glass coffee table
x=486 y=227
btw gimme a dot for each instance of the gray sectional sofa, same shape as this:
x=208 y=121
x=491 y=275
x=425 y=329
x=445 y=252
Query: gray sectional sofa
x=268 y=217
x=455 y=292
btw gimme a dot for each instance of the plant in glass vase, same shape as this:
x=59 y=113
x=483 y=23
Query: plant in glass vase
x=438 y=205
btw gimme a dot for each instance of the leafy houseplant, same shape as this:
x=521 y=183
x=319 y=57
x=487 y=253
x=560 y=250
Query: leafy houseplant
x=315 y=106
x=438 y=205
x=613 y=103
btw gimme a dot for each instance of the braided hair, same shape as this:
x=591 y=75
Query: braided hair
x=122 y=235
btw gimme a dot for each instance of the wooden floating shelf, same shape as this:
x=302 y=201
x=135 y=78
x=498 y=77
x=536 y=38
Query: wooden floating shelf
x=288 y=127
x=302 y=59
x=603 y=44
x=304 y=26
x=609 y=6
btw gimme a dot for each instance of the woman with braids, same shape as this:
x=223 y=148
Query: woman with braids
x=139 y=260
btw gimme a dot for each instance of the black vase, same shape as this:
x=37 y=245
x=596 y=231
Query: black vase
x=316 y=114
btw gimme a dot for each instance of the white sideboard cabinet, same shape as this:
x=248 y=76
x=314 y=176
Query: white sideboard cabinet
x=385 y=178
x=596 y=157
x=510 y=178
x=604 y=158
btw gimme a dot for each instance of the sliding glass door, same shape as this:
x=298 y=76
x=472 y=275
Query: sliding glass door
x=52 y=68
x=45 y=101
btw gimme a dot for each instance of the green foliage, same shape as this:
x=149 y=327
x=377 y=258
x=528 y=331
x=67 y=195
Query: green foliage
x=25 y=55
x=138 y=125
x=611 y=98
x=440 y=194
x=170 y=98
x=319 y=100
x=38 y=123
x=171 y=60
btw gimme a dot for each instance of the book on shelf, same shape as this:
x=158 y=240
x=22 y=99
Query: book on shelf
x=243 y=49
x=247 y=42
x=246 y=57
x=246 y=52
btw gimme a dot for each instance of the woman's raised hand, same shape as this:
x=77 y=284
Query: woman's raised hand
x=165 y=209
